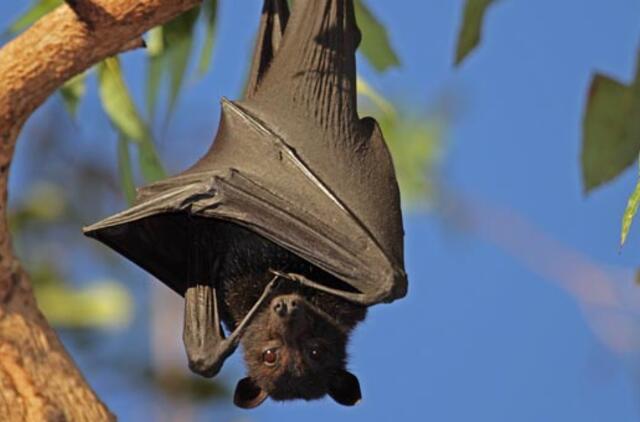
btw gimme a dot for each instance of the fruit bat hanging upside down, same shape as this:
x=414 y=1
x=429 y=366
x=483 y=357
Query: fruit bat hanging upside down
x=289 y=227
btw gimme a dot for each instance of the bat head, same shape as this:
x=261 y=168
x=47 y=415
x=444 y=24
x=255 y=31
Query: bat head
x=293 y=350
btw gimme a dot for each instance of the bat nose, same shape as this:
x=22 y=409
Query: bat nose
x=280 y=308
x=286 y=306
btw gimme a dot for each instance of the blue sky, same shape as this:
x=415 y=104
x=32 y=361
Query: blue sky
x=491 y=329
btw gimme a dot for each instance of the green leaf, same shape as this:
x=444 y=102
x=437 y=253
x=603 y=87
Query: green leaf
x=122 y=112
x=72 y=92
x=38 y=10
x=630 y=213
x=210 y=10
x=150 y=165
x=375 y=45
x=155 y=72
x=155 y=41
x=374 y=96
x=117 y=101
x=169 y=48
x=471 y=30
x=155 y=69
x=178 y=35
x=415 y=143
x=104 y=304
x=45 y=203
x=416 y=147
x=611 y=130
x=126 y=171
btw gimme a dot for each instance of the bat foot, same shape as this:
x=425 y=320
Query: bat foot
x=276 y=282
x=208 y=363
x=204 y=367
x=279 y=276
x=206 y=359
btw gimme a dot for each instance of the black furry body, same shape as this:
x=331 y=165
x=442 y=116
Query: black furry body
x=244 y=271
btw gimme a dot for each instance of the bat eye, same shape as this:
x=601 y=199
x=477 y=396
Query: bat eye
x=270 y=357
x=315 y=353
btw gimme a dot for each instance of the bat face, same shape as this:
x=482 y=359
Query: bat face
x=294 y=350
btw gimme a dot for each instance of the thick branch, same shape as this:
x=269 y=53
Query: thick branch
x=38 y=380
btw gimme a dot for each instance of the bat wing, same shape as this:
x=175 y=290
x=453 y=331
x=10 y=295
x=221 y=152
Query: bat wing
x=293 y=162
x=257 y=181
x=275 y=14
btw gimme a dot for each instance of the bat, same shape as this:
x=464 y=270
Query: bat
x=289 y=227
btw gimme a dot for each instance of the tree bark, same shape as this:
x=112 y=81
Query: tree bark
x=38 y=379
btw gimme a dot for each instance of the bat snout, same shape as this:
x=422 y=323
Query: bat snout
x=286 y=306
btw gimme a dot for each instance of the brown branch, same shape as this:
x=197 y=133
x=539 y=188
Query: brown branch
x=38 y=380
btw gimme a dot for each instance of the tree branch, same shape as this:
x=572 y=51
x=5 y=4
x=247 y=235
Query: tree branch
x=38 y=380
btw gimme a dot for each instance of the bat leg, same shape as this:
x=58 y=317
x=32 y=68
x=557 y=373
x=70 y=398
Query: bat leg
x=203 y=337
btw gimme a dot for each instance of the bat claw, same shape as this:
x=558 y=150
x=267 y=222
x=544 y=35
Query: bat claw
x=278 y=276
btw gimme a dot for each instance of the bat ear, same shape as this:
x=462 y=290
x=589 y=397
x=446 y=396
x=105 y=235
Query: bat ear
x=248 y=395
x=344 y=388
